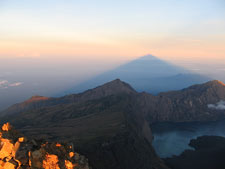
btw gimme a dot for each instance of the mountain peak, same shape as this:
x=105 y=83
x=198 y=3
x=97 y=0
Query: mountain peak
x=210 y=84
x=149 y=57
x=116 y=82
x=115 y=86
x=215 y=82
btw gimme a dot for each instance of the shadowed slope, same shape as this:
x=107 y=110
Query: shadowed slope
x=111 y=122
x=37 y=102
x=189 y=104
x=101 y=123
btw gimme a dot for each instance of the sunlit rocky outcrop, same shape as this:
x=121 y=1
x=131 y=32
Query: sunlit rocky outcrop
x=17 y=152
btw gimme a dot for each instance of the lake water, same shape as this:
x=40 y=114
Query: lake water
x=173 y=138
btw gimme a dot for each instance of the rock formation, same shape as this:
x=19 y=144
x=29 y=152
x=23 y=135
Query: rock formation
x=187 y=105
x=17 y=152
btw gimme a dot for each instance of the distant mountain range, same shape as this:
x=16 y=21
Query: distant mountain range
x=111 y=122
x=147 y=73
x=195 y=103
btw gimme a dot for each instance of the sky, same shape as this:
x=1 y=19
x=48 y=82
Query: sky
x=113 y=30
x=48 y=46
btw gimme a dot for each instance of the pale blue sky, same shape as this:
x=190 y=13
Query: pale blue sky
x=137 y=15
x=144 y=26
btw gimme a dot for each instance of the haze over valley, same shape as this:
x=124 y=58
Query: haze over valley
x=23 y=78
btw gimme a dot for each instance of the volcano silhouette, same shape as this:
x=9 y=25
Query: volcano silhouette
x=147 y=73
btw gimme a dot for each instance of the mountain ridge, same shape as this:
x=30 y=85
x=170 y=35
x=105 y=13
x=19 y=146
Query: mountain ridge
x=192 y=97
x=110 y=88
x=112 y=122
x=103 y=126
x=189 y=104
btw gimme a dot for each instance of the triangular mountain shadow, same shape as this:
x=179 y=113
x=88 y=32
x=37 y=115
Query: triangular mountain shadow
x=147 y=73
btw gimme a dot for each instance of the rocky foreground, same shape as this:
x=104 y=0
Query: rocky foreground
x=17 y=152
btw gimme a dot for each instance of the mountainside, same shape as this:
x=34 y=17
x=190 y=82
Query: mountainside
x=37 y=102
x=111 y=122
x=102 y=124
x=17 y=152
x=147 y=73
x=196 y=103
x=32 y=103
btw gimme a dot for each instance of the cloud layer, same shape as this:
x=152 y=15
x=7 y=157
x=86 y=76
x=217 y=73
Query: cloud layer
x=4 y=84
x=218 y=106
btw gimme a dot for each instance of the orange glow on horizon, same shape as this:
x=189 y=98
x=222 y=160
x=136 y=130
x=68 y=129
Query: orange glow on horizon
x=126 y=49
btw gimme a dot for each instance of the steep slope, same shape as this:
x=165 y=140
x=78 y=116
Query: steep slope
x=196 y=103
x=37 y=102
x=17 y=152
x=109 y=122
x=32 y=103
x=102 y=124
x=147 y=73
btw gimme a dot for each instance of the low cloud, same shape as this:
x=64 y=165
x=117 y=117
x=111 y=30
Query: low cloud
x=4 y=84
x=218 y=106
x=16 y=84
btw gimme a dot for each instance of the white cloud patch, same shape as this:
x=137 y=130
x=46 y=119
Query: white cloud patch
x=218 y=106
x=16 y=84
x=4 y=84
